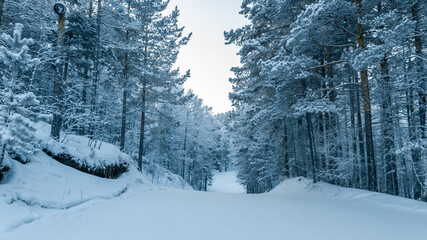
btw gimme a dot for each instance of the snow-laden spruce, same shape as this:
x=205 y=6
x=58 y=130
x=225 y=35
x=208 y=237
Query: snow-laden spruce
x=16 y=115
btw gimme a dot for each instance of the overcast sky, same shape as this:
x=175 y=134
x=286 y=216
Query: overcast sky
x=206 y=55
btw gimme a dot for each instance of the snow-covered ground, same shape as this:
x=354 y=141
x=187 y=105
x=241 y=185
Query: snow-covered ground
x=70 y=205
x=78 y=147
x=226 y=182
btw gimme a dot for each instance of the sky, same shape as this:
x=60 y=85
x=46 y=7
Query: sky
x=206 y=55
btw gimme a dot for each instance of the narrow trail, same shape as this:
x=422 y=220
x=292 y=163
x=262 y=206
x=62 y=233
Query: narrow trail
x=225 y=213
x=226 y=182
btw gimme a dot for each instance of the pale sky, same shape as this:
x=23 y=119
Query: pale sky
x=206 y=55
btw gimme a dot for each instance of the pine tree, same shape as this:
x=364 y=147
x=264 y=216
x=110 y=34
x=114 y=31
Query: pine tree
x=17 y=131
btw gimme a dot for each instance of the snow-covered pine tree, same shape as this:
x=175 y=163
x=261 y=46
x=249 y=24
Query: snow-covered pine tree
x=161 y=39
x=16 y=131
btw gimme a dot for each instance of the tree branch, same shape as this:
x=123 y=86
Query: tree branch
x=341 y=27
x=272 y=30
x=330 y=45
x=325 y=65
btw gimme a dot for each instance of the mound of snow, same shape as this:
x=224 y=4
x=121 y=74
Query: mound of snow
x=44 y=185
x=78 y=147
x=301 y=186
x=163 y=177
x=47 y=184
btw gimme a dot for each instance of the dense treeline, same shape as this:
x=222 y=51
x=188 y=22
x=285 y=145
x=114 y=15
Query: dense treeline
x=332 y=90
x=109 y=75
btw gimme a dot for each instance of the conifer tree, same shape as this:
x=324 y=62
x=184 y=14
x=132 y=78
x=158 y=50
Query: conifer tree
x=17 y=131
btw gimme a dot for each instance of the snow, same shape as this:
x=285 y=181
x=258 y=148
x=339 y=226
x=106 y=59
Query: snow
x=226 y=182
x=45 y=187
x=78 y=146
x=44 y=184
x=294 y=210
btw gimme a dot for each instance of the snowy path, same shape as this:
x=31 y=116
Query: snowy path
x=290 y=212
x=226 y=182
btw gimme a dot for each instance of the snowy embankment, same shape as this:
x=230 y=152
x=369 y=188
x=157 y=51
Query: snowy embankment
x=44 y=186
x=95 y=158
x=295 y=210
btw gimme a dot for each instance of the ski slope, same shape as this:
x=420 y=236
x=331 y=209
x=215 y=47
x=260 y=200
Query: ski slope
x=295 y=210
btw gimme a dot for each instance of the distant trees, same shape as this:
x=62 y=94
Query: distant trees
x=332 y=90
x=188 y=141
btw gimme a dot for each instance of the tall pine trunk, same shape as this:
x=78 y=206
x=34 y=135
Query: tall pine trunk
x=124 y=111
x=415 y=152
x=84 y=100
x=312 y=147
x=419 y=66
x=142 y=129
x=356 y=157
x=370 y=152
x=313 y=153
x=333 y=125
x=96 y=70
x=387 y=130
x=418 y=168
x=58 y=83
x=286 y=149
x=185 y=146
x=125 y=93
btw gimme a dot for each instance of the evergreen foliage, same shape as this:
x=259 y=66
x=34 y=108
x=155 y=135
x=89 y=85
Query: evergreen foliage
x=118 y=84
x=16 y=130
x=334 y=91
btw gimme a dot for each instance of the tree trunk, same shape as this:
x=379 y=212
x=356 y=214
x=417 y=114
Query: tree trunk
x=141 y=135
x=422 y=98
x=97 y=53
x=286 y=146
x=312 y=147
x=415 y=152
x=387 y=129
x=124 y=111
x=324 y=155
x=1 y=11
x=356 y=157
x=372 y=172
x=82 y=130
x=3 y=153
x=185 y=147
x=332 y=125
x=419 y=66
x=361 y=140
x=313 y=154
x=58 y=83
x=124 y=99
x=96 y=68
x=206 y=181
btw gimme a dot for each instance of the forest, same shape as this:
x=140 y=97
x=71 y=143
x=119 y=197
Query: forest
x=334 y=91
x=105 y=70
x=331 y=90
